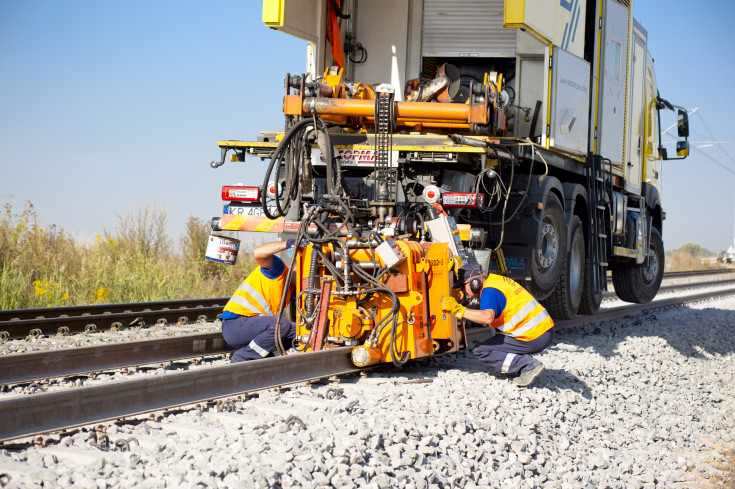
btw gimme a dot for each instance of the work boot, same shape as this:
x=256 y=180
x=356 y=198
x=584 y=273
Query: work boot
x=529 y=376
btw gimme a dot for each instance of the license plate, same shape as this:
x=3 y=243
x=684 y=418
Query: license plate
x=247 y=210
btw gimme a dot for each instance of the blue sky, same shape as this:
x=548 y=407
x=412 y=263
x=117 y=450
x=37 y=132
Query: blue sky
x=110 y=106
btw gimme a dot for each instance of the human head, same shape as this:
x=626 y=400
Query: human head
x=469 y=279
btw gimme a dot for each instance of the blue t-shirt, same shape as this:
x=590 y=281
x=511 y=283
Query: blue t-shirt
x=491 y=298
x=273 y=272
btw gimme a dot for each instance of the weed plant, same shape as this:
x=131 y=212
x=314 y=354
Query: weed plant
x=683 y=260
x=135 y=262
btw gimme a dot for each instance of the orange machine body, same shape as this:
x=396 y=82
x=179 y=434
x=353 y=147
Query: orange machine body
x=418 y=282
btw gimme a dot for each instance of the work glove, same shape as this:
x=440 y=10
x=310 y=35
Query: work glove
x=291 y=242
x=456 y=264
x=453 y=307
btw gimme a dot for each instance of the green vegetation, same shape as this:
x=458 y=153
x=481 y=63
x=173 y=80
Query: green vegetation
x=136 y=262
x=691 y=256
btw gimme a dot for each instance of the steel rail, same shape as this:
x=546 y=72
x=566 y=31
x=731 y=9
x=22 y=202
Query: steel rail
x=691 y=273
x=146 y=313
x=691 y=285
x=24 y=367
x=622 y=311
x=694 y=273
x=54 y=325
x=98 y=309
x=39 y=413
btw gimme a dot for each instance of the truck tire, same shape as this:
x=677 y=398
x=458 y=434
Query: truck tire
x=564 y=301
x=547 y=261
x=590 y=302
x=640 y=283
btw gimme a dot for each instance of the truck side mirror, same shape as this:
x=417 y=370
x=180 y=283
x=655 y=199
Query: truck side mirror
x=682 y=148
x=682 y=124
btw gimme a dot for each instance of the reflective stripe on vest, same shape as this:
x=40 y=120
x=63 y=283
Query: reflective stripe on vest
x=523 y=317
x=258 y=295
x=258 y=305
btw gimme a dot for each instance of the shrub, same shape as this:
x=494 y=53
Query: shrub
x=135 y=262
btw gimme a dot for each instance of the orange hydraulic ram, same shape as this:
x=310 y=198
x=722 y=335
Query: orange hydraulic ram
x=406 y=113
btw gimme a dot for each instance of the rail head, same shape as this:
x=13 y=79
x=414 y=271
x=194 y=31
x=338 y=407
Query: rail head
x=44 y=412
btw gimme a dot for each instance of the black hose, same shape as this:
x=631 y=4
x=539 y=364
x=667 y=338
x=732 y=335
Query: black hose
x=288 y=152
x=286 y=290
x=277 y=158
x=523 y=200
x=398 y=358
x=312 y=281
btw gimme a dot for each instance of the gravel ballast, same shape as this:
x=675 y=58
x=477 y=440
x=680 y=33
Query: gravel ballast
x=644 y=402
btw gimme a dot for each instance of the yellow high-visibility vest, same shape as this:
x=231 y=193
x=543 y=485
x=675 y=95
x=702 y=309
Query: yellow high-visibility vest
x=258 y=295
x=523 y=317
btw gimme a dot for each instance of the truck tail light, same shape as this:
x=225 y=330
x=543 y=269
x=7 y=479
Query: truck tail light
x=242 y=193
x=432 y=194
x=462 y=199
x=271 y=190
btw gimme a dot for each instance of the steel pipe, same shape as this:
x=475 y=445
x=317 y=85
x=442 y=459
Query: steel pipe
x=410 y=111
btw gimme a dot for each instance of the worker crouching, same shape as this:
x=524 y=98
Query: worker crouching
x=523 y=325
x=248 y=321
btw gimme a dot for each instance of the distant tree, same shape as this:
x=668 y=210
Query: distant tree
x=692 y=249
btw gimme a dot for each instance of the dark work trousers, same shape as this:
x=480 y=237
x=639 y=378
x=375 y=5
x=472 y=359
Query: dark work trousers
x=511 y=356
x=254 y=336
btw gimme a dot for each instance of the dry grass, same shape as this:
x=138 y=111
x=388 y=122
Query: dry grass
x=137 y=261
x=678 y=261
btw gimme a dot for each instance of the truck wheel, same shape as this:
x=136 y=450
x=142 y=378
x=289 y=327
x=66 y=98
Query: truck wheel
x=590 y=302
x=640 y=283
x=547 y=261
x=563 y=302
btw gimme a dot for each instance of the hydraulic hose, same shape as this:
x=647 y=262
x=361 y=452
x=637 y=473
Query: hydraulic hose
x=286 y=291
x=287 y=153
x=398 y=358
x=278 y=158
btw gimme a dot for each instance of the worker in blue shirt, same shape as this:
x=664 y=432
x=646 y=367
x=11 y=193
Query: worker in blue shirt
x=523 y=325
x=248 y=320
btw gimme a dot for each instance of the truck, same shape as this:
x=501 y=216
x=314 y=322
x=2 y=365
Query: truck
x=522 y=135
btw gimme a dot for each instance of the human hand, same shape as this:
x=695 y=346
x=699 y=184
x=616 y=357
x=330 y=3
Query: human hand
x=290 y=243
x=450 y=305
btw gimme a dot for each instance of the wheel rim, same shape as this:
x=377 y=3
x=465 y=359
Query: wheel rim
x=576 y=267
x=549 y=250
x=650 y=271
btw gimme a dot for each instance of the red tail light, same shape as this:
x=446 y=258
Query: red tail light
x=432 y=194
x=247 y=194
x=462 y=199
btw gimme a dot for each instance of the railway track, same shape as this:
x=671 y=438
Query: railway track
x=26 y=415
x=20 y=323
x=683 y=286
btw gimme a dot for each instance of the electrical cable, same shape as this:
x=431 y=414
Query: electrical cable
x=286 y=291
x=505 y=205
x=398 y=358
x=286 y=154
x=528 y=184
x=353 y=47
